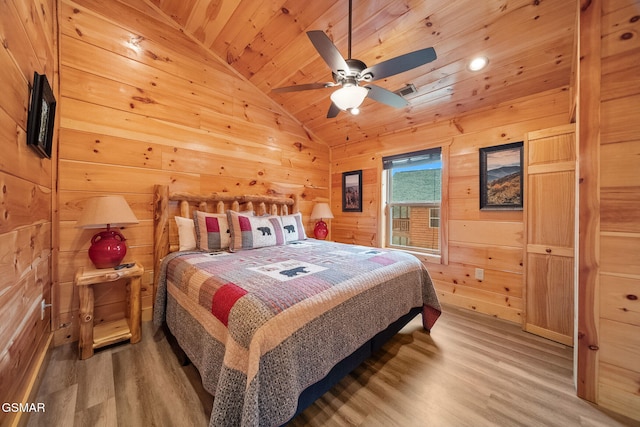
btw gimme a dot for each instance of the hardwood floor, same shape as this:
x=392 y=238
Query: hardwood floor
x=472 y=370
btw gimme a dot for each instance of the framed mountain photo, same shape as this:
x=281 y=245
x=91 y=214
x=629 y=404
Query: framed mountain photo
x=501 y=177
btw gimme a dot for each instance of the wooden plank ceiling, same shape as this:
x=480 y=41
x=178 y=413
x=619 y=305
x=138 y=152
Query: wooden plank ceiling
x=529 y=44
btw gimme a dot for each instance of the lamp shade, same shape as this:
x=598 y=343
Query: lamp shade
x=108 y=247
x=321 y=210
x=349 y=97
x=101 y=211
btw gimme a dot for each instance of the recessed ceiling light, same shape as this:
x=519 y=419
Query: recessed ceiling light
x=478 y=63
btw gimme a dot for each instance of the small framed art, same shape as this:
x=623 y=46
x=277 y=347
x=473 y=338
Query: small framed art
x=352 y=191
x=501 y=177
x=42 y=112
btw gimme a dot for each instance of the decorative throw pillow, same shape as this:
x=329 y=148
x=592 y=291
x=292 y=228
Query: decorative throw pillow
x=250 y=232
x=186 y=233
x=293 y=228
x=212 y=231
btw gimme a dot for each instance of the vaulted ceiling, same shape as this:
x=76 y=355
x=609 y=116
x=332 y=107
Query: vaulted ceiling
x=529 y=43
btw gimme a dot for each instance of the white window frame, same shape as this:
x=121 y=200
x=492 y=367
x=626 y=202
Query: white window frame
x=438 y=256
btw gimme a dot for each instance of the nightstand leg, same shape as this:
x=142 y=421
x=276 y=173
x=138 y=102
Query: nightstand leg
x=85 y=343
x=135 y=317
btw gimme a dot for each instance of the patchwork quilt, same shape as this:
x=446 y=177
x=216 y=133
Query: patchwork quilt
x=264 y=324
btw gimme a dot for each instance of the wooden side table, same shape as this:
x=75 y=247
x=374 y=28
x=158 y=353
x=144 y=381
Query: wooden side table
x=92 y=337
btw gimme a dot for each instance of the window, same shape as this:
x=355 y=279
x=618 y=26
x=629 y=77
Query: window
x=413 y=200
x=434 y=218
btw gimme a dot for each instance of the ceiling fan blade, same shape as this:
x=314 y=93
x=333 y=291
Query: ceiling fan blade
x=386 y=97
x=308 y=86
x=328 y=51
x=333 y=111
x=399 y=64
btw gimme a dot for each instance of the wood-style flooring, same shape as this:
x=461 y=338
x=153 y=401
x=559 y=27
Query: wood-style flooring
x=472 y=370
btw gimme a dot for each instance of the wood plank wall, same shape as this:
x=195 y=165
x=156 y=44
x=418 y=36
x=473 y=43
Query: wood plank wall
x=617 y=250
x=142 y=104
x=489 y=240
x=29 y=43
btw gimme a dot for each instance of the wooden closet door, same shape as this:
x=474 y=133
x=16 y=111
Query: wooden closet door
x=550 y=221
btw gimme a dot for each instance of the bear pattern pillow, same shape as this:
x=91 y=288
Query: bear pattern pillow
x=250 y=232
x=212 y=231
x=293 y=228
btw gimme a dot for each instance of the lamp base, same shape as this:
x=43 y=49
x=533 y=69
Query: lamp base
x=107 y=249
x=321 y=231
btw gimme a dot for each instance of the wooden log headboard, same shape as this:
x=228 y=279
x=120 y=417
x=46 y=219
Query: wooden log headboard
x=167 y=205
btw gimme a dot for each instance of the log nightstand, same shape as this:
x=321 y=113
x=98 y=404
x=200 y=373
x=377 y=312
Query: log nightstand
x=92 y=337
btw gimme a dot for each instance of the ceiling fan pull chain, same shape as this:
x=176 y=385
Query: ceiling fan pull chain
x=349 y=41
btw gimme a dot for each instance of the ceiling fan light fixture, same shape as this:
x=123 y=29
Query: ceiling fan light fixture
x=349 y=97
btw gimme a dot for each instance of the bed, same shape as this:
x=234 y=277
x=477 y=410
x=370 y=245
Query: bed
x=275 y=319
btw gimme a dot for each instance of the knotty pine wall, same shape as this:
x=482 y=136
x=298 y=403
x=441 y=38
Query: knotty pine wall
x=609 y=285
x=491 y=240
x=29 y=43
x=142 y=104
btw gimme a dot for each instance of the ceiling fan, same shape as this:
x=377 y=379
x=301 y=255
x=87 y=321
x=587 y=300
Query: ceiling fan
x=349 y=73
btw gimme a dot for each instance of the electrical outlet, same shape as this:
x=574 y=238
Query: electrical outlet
x=479 y=273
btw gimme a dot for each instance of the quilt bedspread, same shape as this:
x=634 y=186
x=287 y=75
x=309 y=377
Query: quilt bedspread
x=277 y=319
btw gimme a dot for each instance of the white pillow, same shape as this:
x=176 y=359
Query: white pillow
x=186 y=233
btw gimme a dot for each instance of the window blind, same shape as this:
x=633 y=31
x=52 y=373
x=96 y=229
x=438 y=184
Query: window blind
x=415 y=158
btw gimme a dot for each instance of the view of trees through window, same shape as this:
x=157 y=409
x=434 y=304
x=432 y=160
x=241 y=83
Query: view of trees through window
x=414 y=186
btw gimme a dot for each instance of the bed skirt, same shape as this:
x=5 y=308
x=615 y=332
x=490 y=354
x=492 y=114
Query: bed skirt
x=314 y=391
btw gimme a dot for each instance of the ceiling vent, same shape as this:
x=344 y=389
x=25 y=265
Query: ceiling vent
x=408 y=90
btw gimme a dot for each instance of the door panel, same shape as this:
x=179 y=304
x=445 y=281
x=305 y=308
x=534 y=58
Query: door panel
x=550 y=223
x=551 y=209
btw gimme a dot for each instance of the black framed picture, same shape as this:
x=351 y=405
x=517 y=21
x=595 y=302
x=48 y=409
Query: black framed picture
x=42 y=112
x=501 y=181
x=352 y=191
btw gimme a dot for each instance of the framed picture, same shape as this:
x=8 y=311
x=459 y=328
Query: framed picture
x=501 y=178
x=42 y=112
x=352 y=191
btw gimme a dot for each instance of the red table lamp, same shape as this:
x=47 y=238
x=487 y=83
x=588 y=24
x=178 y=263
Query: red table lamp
x=321 y=210
x=108 y=248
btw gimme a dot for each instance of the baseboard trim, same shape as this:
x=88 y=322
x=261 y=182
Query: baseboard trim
x=32 y=386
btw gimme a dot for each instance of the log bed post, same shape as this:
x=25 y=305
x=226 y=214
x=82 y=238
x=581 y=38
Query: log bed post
x=160 y=231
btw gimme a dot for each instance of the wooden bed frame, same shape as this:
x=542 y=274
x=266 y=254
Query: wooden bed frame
x=167 y=205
